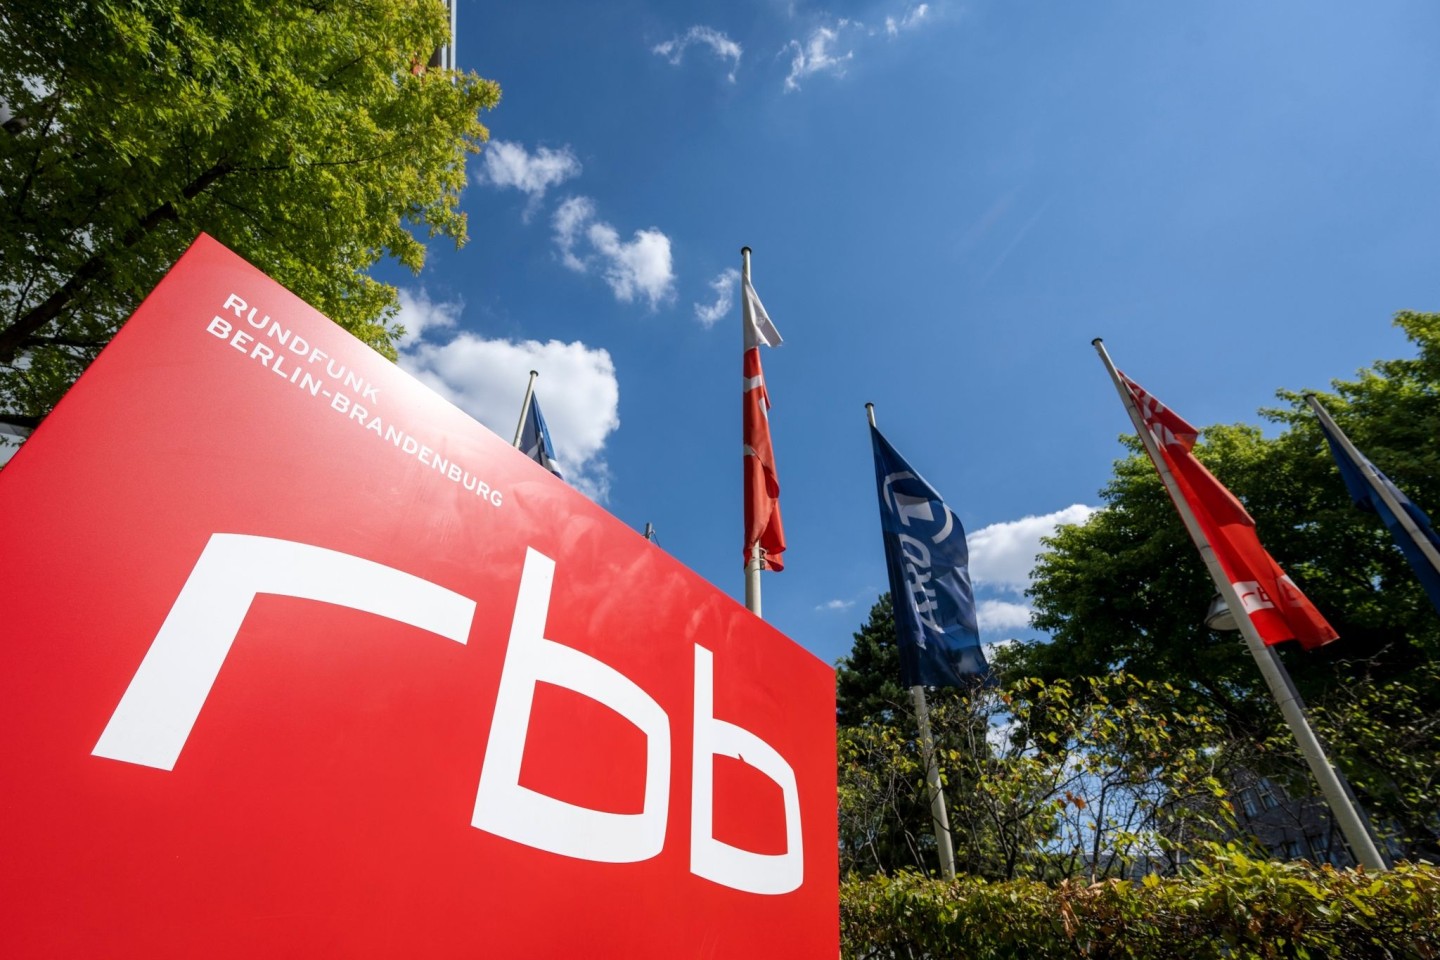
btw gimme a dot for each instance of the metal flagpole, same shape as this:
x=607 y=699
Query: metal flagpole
x=450 y=61
x=754 y=564
x=525 y=409
x=939 y=816
x=1332 y=788
x=1421 y=541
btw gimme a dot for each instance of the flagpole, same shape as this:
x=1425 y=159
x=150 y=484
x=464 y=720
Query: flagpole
x=525 y=408
x=1359 y=459
x=939 y=816
x=1332 y=788
x=755 y=564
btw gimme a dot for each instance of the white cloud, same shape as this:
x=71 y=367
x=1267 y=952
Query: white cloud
x=419 y=315
x=1002 y=615
x=720 y=44
x=820 y=52
x=836 y=605
x=506 y=164
x=570 y=217
x=817 y=55
x=637 y=268
x=1001 y=558
x=911 y=19
x=578 y=388
x=1002 y=554
x=724 y=286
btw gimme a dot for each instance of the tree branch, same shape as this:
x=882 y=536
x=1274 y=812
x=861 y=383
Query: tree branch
x=13 y=337
x=38 y=341
x=20 y=420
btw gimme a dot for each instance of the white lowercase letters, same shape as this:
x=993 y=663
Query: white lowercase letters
x=159 y=708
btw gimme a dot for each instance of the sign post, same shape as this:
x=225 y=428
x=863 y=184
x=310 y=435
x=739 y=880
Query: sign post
x=298 y=659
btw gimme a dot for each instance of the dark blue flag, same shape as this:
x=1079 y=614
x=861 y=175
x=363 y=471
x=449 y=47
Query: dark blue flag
x=535 y=439
x=1355 y=472
x=929 y=567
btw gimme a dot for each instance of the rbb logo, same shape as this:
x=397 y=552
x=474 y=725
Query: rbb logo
x=1253 y=596
x=154 y=717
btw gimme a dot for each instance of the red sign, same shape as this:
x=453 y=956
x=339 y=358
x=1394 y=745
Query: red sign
x=296 y=659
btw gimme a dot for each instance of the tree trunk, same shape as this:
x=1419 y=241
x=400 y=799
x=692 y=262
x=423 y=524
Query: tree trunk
x=13 y=337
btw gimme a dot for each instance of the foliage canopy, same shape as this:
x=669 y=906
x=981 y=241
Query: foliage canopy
x=1096 y=777
x=1141 y=713
x=1126 y=588
x=307 y=136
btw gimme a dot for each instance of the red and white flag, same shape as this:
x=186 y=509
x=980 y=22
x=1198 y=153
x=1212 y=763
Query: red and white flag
x=1274 y=604
x=762 y=483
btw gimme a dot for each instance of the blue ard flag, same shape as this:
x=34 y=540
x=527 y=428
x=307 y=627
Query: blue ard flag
x=1361 y=479
x=535 y=439
x=929 y=567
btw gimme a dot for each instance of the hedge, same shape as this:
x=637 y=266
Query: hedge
x=1230 y=906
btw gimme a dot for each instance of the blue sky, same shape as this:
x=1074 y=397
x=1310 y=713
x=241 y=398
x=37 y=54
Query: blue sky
x=946 y=202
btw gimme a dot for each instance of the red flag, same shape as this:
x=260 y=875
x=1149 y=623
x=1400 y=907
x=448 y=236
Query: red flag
x=762 y=483
x=1274 y=604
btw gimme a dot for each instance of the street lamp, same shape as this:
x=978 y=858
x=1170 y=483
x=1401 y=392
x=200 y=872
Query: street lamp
x=1218 y=615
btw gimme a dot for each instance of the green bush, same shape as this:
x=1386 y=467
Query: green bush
x=1226 y=906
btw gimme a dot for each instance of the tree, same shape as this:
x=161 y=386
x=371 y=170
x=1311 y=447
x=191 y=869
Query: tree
x=867 y=682
x=308 y=136
x=1126 y=588
x=884 y=820
x=1092 y=778
x=1388 y=734
x=1047 y=780
x=884 y=816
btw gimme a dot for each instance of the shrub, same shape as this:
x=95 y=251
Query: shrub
x=1226 y=905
